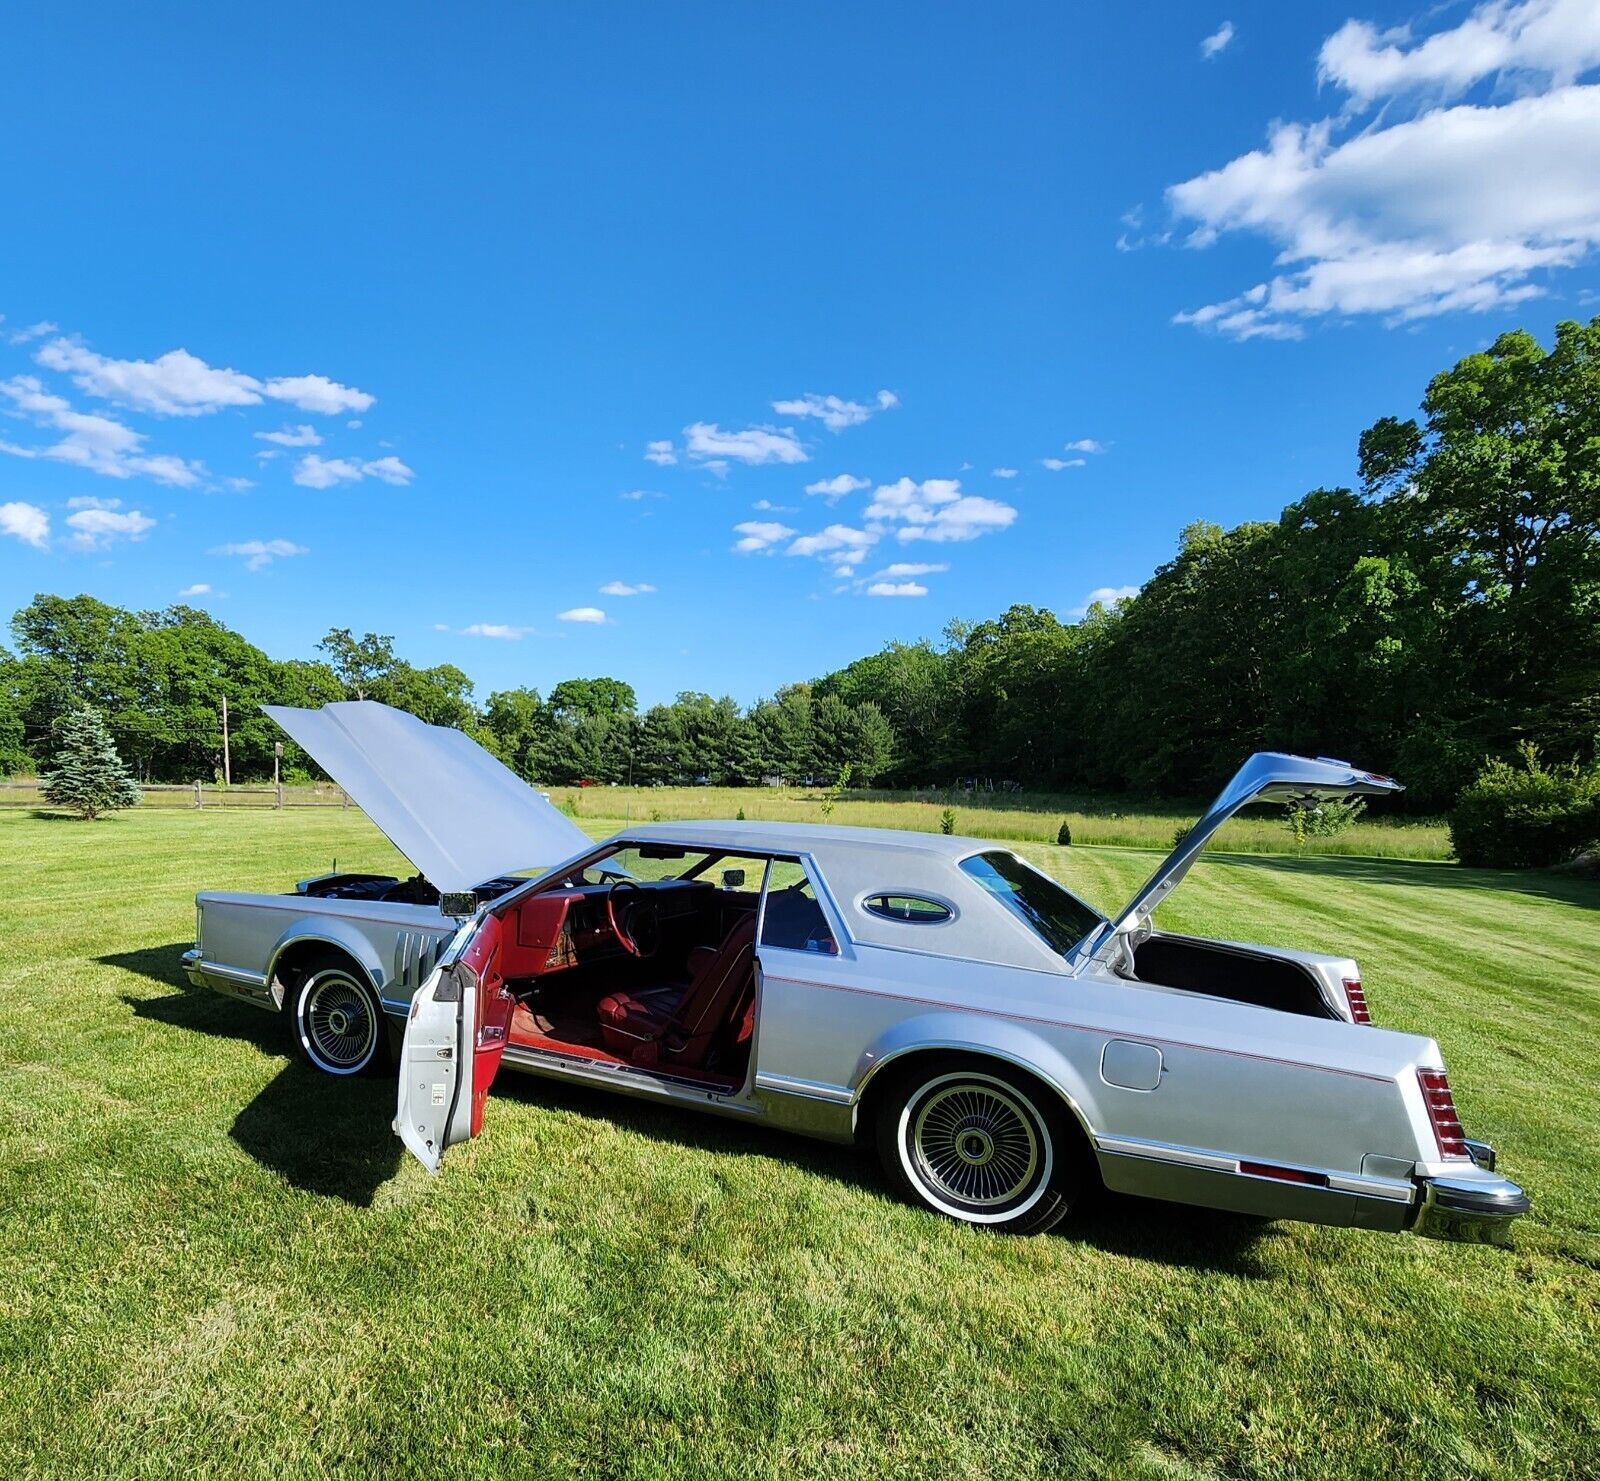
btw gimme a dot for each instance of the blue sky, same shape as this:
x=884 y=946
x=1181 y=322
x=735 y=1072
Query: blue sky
x=370 y=316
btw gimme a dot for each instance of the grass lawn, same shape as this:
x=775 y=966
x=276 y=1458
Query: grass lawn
x=214 y=1261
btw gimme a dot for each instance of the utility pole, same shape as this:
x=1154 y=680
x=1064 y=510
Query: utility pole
x=227 y=761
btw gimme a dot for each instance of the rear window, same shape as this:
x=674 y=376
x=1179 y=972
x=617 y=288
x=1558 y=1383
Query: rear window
x=794 y=920
x=1054 y=913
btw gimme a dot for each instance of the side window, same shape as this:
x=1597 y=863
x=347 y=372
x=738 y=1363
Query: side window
x=794 y=920
x=917 y=909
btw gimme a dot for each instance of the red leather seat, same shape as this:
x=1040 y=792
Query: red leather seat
x=679 y=1024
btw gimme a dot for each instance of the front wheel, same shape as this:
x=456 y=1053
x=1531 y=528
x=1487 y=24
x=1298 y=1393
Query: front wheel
x=978 y=1145
x=335 y=1019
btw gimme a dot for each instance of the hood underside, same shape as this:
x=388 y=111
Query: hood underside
x=459 y=815
x=1268 y=776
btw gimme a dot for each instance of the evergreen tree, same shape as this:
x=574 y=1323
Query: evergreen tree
x=88 y=776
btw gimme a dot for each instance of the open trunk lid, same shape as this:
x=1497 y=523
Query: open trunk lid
x=457 y=813
x=1268 y=776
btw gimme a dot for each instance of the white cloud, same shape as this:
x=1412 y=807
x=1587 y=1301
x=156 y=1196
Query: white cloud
x=768 y=507
x=966 y=519
x=660 y=453
x=1085 y=445
x=316 y=393
x=199 y=589
x=582 y=614
x=259 y=553
x=937 y=510
x=101 y=528
x=836 y=488
x=1552 y=41
x=175 y=384
x=754 y=445
x=95 y=443
x=623 y=589
x=1106 y=596
x=239 y=485
x=759 y=536
x=902 y=569
x=1217 y=41
x=1457 y=208
x=500 y=630
x=25 y=522
x=1055 y=465
x=304 y=435
x=835 y=538
x=1003 y=473
x=89 y=501
x=897 y=589
x=31 y=332
x=316 y=472
x=834 y=412
x=636 y=494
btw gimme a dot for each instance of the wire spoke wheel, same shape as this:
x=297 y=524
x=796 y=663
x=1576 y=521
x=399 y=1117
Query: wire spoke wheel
x=338 y=1026
x=976 y=1143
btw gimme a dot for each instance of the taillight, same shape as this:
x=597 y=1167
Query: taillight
x=1355 y=995
x=1441 y=1106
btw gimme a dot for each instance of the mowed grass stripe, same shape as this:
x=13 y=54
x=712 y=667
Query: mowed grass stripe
x=226 y=1264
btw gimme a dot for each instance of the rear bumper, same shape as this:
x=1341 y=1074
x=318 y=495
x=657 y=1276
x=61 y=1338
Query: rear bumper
x=1473 y=1207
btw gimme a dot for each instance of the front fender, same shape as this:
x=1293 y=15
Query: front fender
x=1013 y=1043
x=330 y=931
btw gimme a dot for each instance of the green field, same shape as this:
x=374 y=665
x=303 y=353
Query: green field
x=213 y=1261
x=1024 y=817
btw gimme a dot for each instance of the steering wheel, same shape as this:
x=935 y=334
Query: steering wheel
x=636 y=925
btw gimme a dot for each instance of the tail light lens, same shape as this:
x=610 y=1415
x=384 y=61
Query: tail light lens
x=1355 y=995
x=1441 y=1106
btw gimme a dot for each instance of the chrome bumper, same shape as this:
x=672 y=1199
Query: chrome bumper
x=1474 y=1208
x=191 y=967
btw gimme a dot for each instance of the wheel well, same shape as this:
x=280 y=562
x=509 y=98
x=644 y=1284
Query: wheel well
x=919 y=1062
x=295 y=960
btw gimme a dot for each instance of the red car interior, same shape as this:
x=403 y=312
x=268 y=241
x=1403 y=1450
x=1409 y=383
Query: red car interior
x=684 y=1007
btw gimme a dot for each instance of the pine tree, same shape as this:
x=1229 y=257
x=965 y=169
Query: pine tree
x=88 y=776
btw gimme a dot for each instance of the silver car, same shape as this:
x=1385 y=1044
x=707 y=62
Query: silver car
x=1007 y=1048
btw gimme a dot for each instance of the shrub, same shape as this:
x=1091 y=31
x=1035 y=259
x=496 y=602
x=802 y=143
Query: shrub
x=739 y=816
x=1323 y=819
x=1181 y=833
x=947 y=820
x=1064 y=834
x=1525 y=815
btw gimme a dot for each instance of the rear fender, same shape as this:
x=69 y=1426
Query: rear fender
x=961 y=1033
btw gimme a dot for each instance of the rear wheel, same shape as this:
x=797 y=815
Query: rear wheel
x=335 y=1019
x=980 y=1144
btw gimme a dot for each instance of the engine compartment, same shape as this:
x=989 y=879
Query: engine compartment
x=389 y=889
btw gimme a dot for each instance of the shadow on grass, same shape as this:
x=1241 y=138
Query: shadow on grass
x=1544 y=884
x=332 y=1137
x=1139 y=1228
x=323 y=1135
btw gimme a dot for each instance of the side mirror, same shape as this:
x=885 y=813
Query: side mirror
x=459 y=903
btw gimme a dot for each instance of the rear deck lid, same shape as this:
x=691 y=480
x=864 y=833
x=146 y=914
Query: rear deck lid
x=457 y=813
x=1268 y=776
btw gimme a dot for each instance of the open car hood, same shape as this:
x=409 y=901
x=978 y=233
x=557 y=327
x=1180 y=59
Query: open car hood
x=458 y=814
x=1268 y=776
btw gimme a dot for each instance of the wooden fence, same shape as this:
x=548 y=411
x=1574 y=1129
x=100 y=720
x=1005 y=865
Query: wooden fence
x=197 y=795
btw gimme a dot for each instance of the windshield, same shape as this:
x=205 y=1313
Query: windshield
x=1054 y=913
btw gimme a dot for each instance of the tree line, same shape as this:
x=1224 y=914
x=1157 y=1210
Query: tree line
x=1444 y=611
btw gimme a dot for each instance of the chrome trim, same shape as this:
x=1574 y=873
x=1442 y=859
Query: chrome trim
x=1471 y=1210
x=1482 y=1154
x=840 y=1095
x=1339 y=1181
x=194 y=962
